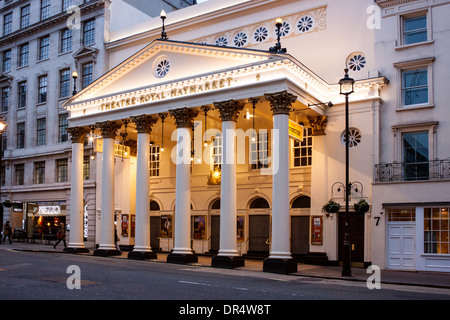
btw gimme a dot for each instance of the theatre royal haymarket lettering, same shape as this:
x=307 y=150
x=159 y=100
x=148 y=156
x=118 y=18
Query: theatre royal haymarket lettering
x=138 y=99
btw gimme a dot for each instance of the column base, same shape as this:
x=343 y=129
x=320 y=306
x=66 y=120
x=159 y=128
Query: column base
x=142 y=255
x=227 y=262
x=76 y=250
x=280 y=266
x=107 y=252
x=181 y=258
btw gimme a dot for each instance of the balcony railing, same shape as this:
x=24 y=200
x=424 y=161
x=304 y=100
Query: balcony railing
x=418 y=171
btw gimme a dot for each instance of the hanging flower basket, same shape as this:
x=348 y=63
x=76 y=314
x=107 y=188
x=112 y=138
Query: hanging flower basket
x=331 y=207
x=361 y=206
x=7 y=204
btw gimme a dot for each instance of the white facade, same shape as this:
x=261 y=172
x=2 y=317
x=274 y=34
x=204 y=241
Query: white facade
x=396 y=52
x=412 y=201
x=219 y=74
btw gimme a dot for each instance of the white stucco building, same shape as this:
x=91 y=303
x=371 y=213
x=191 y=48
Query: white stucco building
x=216 y=72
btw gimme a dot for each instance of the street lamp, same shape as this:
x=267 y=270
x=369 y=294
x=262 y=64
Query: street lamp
x=2 y=128
x=163 y=17
x=347 y=86
x=277 y=48
x=75 y=77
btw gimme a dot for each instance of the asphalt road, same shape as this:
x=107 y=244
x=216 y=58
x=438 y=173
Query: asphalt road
x=49 y=276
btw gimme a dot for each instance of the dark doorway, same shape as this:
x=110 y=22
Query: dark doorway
x=356 y=233
x=259 y=233
x=299 y=235
x=215 y=233
x=154 y=232
x=155 y=227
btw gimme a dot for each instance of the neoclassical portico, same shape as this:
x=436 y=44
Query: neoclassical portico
x=130 y=92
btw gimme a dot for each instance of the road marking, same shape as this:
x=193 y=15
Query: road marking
x=243 y=289
x=195 y=283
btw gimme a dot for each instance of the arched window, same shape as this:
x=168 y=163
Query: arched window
x=216 y=205
x=302 y=202
x=259 y=203
x=154 y=206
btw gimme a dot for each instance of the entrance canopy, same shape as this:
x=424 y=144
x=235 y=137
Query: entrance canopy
x=169 y=74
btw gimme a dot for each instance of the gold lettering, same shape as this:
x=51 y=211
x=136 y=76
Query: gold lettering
x=193 y=89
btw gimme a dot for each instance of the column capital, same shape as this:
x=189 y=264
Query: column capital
x=280 y=102
x=229 y=110
x=184 y=117
x=318 y=124
x=144 y=123
x=108 y=129
x=77 y=134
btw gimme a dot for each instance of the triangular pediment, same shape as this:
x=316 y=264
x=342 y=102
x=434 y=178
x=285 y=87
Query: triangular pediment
x=85 y=52
x=5 y=79
x=164 y=62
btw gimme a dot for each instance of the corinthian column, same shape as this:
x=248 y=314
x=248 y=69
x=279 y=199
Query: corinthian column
x=76 y=244
x=107 y=244
x=182 y=252
x=280 y=260
x=228 y=256
x=142 y=249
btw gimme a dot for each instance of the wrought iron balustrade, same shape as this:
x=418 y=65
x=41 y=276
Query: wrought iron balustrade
x=412 y=171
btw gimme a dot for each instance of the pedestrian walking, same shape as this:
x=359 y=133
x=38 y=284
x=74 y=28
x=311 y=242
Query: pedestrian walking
x=116 y=238
x=60 y=235
x=7 y=232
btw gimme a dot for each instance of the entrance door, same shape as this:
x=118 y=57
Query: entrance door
x=154 y=232
x=356 y=233
x=299 y=234
x=259 y=228
x=215 y=233
x=401 y=248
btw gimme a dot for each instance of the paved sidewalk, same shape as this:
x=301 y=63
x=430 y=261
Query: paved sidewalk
x=416 y=278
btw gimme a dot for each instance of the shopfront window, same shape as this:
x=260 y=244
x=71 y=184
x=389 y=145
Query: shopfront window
x=44 y=218
x=436 y=230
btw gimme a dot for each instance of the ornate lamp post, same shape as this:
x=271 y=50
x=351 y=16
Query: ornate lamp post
x=163 y=17
x=347 y=85
x=277 y=48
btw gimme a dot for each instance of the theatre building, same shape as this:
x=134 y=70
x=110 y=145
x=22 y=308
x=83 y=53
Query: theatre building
x=223 y=133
